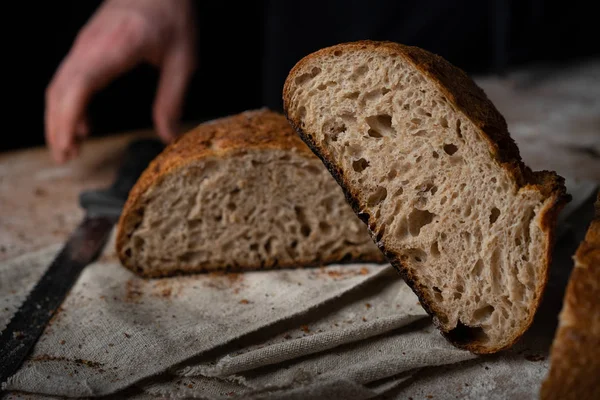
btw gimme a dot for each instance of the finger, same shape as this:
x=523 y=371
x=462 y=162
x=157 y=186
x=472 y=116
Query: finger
x=93 y=62
x=176 y=72
x=65 y=107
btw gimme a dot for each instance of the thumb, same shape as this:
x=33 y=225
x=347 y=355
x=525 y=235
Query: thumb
x=176 y=72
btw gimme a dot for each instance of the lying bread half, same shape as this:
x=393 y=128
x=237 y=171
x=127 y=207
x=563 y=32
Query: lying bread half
x=427 y=163
x=241 y=192
x=575 y=355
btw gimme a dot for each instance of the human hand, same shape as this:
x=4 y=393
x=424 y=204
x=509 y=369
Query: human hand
x=119 y=36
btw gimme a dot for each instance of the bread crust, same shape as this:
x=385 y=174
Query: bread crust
x=469 y=99
x=575 y=353
x=261 y=129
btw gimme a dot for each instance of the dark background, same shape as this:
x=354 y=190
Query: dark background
x=246 y=49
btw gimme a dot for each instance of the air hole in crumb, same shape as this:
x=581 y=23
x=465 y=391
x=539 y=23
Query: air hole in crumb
x=458 y=129
x=254 y=247
x=518 y=241
x=333 y=128
x=422 y=112
x=361 y=70
x=231 y=206
x=418 y=159
x=324 y=227
x=414 y=254
x=416 y=121
x=380 y=125
x=302 y=79
x=360 y=165
x=435 y=154
x=294 y=244
x=435 y=250
x=314 y=170
x=443 y=122
x=268 y=246
x=301 y=114
x=477 y=268
x=392 y=174
x=301 y=217
x=467 y=212
x=450 y=149
x=464 y=334
x=443 y=200
x=352 y=95
x=493 y=180
x=374 y=133
x=437 y=294
x=377 y=197
x=483 y=313
x=337 y=53
x=466 y=236
x=494 y=215
x=417 y=219
x=305 y=230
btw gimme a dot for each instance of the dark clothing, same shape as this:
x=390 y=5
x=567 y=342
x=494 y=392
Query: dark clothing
x=247 y=48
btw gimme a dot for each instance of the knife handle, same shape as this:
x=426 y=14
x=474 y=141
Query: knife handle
x=110 y=201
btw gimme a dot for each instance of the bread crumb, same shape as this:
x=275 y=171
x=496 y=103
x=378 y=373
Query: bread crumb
x=305 y=328
x=368 y=305
x=62 y=342
x=244 y=301
x=364 y=271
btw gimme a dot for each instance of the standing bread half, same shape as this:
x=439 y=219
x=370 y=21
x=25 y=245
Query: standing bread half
x=241 y=192
x=575 y=356
x=427 y=163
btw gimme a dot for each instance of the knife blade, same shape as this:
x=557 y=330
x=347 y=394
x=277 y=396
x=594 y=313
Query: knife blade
x=102 y=210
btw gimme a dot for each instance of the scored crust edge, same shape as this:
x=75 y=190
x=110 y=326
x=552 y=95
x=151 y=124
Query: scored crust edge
x=575 y=352
x=256 y=129
x=469 y=99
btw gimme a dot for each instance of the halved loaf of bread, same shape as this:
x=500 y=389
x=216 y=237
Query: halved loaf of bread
x=426 y=161
x=240 y=192
x=575 y=356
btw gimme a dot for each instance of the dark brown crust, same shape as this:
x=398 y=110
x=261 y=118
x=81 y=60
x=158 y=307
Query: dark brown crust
x=256 y=129
x=465 y=96
x=575 y=353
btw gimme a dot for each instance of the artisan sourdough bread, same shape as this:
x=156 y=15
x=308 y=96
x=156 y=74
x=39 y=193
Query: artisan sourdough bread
x=575 y=356
x=427 y=163
x=241 y=192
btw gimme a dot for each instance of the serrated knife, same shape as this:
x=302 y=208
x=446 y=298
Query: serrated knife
x=102 y=210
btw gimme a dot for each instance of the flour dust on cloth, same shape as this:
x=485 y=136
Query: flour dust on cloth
x=342 y=331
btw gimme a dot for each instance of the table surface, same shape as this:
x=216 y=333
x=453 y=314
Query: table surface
x=553 y=115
